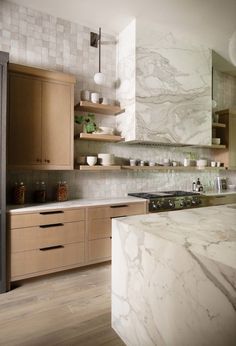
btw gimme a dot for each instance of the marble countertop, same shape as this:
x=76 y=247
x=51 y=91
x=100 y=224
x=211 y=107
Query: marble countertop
x=77 y=203
x=207 y=231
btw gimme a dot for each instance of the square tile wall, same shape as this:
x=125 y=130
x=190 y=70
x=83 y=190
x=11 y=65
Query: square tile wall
x=38 y=39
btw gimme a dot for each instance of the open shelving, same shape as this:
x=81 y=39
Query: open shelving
x=99 y=137
x=86 y=106
x=97 y=168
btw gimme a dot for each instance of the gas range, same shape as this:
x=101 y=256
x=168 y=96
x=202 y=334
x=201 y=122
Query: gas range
x=170 y=200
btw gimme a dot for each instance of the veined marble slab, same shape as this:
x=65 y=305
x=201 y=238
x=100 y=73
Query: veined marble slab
x=174 y=277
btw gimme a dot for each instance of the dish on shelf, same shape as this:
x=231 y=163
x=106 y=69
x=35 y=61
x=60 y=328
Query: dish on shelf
x=216 y=141
x=231 y=186
x=201 y=163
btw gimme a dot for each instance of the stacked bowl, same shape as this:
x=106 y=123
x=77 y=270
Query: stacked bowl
x=106 y=159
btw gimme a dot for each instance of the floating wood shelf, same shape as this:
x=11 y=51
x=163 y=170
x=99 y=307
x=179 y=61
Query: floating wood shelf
x=98 y=168
x=99 y=137
x=164 y=168
x=218 y=125
x=86 y=106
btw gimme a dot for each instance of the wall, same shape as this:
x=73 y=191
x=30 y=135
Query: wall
x=35 y=38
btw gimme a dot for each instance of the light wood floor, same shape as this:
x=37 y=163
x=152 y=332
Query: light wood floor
x=69 y=308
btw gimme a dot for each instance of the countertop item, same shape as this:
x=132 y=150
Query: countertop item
x=175 y=271
x=76 y=203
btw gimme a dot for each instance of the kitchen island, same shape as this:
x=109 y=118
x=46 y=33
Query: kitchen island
x=174 y=277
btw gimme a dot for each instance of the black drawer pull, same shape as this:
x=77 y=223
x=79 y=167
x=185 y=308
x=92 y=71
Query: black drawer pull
x=52 y=225
x=110 y=237
x=119 y=206
x=52 y=248
x=116 y=217
x=51 y=212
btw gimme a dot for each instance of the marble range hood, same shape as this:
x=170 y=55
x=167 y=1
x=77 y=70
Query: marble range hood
x=165 y=87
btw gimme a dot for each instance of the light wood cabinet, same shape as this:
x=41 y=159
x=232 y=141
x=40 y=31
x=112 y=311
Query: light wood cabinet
x=53 y=240
x=227 y=135
x=99 y=228
x=46 y=242
x=41 y=120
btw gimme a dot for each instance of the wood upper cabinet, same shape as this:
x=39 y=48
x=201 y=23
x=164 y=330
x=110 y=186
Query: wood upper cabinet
x=40 y=130
x=25 y=125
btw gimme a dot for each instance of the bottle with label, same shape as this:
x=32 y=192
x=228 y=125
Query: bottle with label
x=19 y=193
x=194 y=186
x=198 y=185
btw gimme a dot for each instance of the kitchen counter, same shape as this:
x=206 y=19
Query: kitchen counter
x=77 y=203
x=174 y=277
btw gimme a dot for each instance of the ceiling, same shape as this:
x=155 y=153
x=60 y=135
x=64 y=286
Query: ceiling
x=210 y=22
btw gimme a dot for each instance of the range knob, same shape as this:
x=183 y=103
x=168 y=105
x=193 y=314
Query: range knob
x=194 y=202
x=171 y=204
x=155 y=205
x=182 y=203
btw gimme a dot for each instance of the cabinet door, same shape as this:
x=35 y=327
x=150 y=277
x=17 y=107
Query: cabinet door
x=24 y=121
x=57 y=125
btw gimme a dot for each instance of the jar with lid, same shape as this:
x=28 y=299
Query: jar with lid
x=62 y=191
x=19 y=191
x=40 y=192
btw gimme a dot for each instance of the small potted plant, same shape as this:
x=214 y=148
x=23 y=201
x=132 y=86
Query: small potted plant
x=85 y=123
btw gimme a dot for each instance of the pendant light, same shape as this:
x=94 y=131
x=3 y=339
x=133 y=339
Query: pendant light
x=95 y=40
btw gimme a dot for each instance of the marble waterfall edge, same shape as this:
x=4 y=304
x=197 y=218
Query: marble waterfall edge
x=174 y=283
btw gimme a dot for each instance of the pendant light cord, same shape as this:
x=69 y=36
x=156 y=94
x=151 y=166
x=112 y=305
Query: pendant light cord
x=99 y=50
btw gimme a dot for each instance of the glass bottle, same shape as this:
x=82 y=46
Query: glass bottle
x=62 y=191
x=40 y=192
x=19 y=193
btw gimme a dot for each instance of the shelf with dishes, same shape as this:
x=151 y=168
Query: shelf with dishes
x=99 y=137
x=86 y=106
x=101 y=168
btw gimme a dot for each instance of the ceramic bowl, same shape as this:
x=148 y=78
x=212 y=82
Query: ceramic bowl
x=202 y=163
x=106 y=130
x=91 y=160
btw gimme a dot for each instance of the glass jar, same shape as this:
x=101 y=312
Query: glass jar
x=19 y=193
x=40 y=192
x=62 y=191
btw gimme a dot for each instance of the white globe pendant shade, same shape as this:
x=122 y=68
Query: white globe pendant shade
x=99 y=78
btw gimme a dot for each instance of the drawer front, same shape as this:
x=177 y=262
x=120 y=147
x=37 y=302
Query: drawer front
x=46 y=217
x=128 y=209
x=117 y=210
x=98 y=213
x=36 y=261
x=99 y=249
x=30 y=238
x=99 y=228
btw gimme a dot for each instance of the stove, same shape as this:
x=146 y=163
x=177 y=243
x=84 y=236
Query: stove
x=170 y=200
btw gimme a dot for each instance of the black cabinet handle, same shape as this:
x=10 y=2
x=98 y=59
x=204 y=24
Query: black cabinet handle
x=52 y=225
x=52 y=248
x=51 y=212
x=110 y=237
x=119 y=206
x=116 y=217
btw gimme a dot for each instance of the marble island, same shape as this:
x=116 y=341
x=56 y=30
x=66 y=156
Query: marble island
x=174 y=277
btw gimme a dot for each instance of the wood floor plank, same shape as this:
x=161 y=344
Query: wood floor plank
x=65 y=309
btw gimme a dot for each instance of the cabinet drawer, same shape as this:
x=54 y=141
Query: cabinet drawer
x=128 y=209
x=117 y=210
x=30 y=238
x=46 y=217
x=36 y=261
x=99 y=249
x=99 y=228
x=218 y=200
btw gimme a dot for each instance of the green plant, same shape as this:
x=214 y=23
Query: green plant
x=87 y=121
